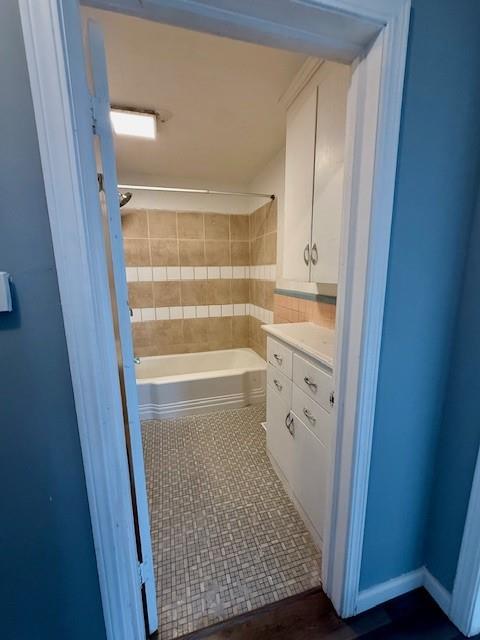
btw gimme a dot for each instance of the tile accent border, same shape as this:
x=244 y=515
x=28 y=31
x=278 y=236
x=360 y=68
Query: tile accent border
x=164 y=274
x=185 y=312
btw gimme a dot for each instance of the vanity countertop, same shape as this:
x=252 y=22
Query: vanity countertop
x=317 y=342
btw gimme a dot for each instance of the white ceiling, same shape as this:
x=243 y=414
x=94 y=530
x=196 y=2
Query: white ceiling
x=227 y=122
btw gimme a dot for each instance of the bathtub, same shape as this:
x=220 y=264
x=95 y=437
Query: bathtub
x=189 y=383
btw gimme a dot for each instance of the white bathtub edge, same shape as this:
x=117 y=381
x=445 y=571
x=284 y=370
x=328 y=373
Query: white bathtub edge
x=154 y=411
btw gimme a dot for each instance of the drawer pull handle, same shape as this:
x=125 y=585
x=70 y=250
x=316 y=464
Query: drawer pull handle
x=306 y=254
x=278 y=385
x=311 y=384
x=289 y=423
x=309 y=416
x=314 y=254
x=278 y=358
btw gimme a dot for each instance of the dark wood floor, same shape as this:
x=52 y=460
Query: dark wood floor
x=310 y=616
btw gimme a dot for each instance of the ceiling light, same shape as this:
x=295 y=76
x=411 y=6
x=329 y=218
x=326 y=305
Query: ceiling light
x=134 y=123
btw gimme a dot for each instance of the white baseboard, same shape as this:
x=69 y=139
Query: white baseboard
x=438 y=592
x=369 y=598
x=385 y=591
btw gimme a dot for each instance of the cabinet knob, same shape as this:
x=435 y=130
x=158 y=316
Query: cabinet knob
x=314 y=254
x=306 y=254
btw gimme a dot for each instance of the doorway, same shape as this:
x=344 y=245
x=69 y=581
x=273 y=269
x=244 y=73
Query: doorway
x=343 y=547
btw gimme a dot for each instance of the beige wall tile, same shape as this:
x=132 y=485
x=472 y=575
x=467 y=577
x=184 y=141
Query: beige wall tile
x=240 y=331
x=166 y=294
x=255 y=296
x=192 y=252
x=134 y=223
x=164 y=252
x=240 y=253
x=240 y=291
x=193 y=292
x=257 y=337
x=217 y=252
x=270 y=248
x=195 y=347
x=195 y=331
x=256 y=251
x=140 y=295
x=190 y=225
x=217 y=226
x=269 y=289
x=220 y=333
x=219 y=291
x=142 y=334
x=144 y=352
x=239 y=228
x=271 y=217
x=162 y=224
x=167 y=332
x=259 y=221
x=137 y=252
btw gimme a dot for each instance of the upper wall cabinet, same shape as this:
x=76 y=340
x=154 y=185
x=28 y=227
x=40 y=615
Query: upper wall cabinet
x=315 y=144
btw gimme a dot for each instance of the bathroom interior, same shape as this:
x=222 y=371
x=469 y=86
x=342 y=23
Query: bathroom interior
x=231 y=208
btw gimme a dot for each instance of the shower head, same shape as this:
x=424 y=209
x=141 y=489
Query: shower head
x=124 y=198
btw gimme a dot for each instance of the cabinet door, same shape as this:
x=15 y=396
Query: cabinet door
x=309 y=475
x=279 y=440
x=299 y=174
x=328 y=181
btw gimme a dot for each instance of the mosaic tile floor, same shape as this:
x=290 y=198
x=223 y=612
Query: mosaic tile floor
x=226 y=538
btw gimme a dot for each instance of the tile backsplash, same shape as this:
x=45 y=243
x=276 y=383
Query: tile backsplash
x=293 y=309
x=199 y=281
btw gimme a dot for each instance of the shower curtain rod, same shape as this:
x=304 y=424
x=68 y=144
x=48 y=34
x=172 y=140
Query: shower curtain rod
x=210 y=192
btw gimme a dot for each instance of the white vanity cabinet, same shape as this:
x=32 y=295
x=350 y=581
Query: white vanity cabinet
x=315 y=140
x=299 y=425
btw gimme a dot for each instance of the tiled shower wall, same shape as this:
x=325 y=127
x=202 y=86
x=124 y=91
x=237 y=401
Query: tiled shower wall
x=199 y=281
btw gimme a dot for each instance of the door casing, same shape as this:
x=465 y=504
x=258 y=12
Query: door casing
x=369 y=34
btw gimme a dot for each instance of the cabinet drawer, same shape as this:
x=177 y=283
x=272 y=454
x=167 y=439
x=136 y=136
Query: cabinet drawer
x=315 y=382
x=280 y=383
x=280 y=441
x=312 y=414
x=310 y=475
x=279 y=356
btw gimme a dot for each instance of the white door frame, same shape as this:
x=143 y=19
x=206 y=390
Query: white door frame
x=465 y=605
x=55 y=57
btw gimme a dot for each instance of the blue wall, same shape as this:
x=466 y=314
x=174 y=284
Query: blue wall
x=460 y=433
x=48 y=576
x=435 y=198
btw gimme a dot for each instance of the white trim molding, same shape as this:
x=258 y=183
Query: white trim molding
x=65 y=141
x=465 y=609
x=300 y=81
x=371 y=34
x=369 y=598
x=438 y=592
x=373 y=125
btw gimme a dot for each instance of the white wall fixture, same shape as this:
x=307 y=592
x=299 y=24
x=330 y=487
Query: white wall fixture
x=134 y=123
x=5 y=294
x=369 y=34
